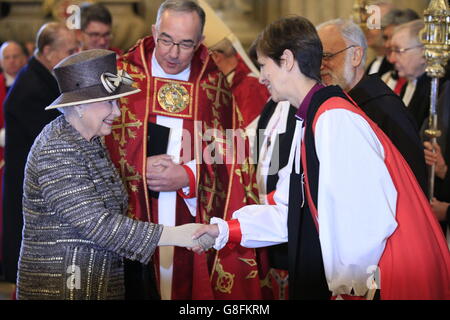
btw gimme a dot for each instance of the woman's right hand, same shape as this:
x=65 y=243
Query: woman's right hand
x=182 y=236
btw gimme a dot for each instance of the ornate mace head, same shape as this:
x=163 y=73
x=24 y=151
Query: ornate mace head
x=435 y=37
x=359 y=13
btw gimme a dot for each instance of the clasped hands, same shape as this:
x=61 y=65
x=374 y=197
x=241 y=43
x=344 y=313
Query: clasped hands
x=163 y=174
x=194 y=236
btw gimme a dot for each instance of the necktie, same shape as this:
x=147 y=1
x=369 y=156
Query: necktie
x=399 y=86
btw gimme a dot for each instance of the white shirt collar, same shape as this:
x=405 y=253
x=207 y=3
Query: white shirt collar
x=157 y=71
x=8 y=79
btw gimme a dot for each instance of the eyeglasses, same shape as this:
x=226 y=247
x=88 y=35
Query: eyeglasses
x=401 y=50
x=328 y=56
x=184 y=45
x=96 y=35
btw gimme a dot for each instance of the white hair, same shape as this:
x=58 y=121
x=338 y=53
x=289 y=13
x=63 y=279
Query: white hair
x=351 y=33
x=69 y=110
x=413 y=27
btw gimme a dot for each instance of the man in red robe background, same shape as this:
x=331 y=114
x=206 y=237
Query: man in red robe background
x=250 y=95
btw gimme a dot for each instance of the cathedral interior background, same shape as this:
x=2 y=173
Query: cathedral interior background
x=132 y=19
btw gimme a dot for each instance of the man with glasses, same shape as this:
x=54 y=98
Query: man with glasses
x=407 y=55
x=96 y=28
x=345 y=67
x=166 y=144
x=389 y=22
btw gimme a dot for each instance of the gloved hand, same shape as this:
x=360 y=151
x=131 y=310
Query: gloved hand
x=181 y=236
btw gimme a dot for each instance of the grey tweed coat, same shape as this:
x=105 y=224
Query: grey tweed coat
x=75 y=230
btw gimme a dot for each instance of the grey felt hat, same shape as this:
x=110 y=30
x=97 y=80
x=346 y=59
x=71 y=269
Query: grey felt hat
x=90 y=76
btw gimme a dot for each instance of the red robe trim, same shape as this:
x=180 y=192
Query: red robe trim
x=235 y=233
x=191 y=184
x=415 y=264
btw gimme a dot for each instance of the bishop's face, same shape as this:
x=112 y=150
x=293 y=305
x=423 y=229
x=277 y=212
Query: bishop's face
x=273 y=76
x=177 y=37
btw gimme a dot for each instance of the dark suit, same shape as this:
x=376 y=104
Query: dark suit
x=388 y=111
x=419 y=106
x=442 y=187
x=384 y=67
x=25 y=117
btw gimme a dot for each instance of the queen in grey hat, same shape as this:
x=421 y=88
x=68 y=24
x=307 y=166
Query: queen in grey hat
x=90 y=76
x=90 y=86
x=76 y=230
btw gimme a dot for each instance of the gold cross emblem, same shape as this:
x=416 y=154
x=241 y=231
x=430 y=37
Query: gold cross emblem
x=124 y=128
x=218 y=92
x=128 y=173
x=225 y=280
x=211 y=192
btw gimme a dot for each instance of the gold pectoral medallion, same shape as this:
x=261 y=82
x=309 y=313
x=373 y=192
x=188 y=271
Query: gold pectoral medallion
x=173 y=98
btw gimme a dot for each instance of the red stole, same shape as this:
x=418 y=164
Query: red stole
x=210 y=111
x=415 y=264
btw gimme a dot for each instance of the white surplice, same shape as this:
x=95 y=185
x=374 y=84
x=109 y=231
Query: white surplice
x=356 y=202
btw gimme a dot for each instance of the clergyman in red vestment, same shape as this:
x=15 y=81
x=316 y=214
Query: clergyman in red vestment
x=170 y=148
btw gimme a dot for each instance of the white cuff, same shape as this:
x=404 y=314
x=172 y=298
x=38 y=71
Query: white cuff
x=193 y=166
x=192 y=202
x=2 y=137
x=192 y=205
x=222 y=239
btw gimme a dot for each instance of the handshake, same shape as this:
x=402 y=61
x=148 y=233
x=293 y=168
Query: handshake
x=195 y=236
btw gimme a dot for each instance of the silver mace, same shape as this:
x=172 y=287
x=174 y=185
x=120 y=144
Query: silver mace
x=436 y=41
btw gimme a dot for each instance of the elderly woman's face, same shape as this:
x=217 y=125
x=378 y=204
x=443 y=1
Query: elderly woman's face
x=272 y=76
x=98 y=118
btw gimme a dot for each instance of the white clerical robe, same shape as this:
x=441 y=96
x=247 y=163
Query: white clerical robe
x=356 y=202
